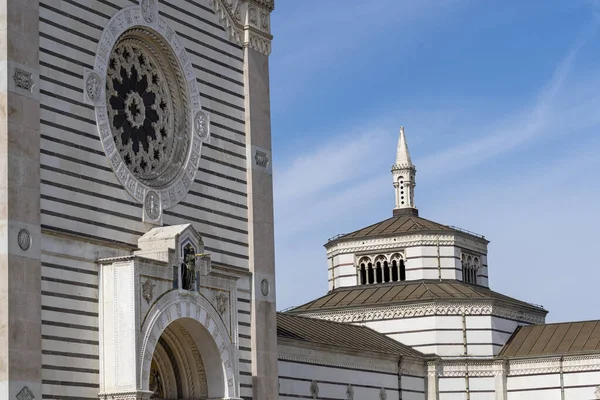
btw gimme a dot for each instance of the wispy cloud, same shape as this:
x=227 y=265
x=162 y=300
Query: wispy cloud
x=347 y=172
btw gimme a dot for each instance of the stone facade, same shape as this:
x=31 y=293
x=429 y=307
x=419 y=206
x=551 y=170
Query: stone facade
x=93 y=163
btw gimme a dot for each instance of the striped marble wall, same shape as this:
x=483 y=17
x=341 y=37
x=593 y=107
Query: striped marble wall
x=87 y=215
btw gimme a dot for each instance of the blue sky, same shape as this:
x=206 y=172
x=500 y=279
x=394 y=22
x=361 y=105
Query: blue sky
x=501 y=106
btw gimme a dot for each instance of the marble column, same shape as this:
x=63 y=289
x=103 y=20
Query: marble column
x=20 y=279
x=260 y=199
x=500 y=369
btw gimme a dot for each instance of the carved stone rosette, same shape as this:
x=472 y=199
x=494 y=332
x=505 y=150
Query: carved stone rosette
x=151 y=135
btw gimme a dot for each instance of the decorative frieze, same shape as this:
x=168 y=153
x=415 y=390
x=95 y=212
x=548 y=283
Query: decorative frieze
x=490 y=308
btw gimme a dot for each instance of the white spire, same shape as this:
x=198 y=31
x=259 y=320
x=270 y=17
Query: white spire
x=403 y=173
x=402 y=154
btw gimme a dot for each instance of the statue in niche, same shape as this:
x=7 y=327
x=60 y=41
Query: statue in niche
x=188 y=268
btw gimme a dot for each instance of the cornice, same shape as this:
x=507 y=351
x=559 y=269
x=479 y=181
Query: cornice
x=248 y=22
x=435 y=308
x=391 y=242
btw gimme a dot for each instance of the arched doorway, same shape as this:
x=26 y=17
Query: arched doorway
x=177 y=369
x=187 y=352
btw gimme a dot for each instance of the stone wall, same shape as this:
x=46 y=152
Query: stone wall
x=322 y=372
x=85 y=212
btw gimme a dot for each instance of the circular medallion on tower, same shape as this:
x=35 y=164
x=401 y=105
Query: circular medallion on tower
x=150 y=120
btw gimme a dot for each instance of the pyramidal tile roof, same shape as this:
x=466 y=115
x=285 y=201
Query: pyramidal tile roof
x=405 y=293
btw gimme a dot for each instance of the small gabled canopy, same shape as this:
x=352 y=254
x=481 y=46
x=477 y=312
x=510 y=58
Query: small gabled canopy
x=346 y=336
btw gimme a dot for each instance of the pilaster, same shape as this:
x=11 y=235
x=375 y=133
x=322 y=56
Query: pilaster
x=256 y=21
x=432 y=380
x=500 y=368
x=20 y=280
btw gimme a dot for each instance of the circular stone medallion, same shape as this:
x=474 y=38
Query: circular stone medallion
x=264 y=287
x=24 y=239
x=93 y=87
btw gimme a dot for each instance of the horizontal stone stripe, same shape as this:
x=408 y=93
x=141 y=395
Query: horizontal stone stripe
x=139 y=233
x=118 y=186
x=69 y=311
x=69 y=383
x=195 y=28
x=88 y=193
x=447 y=330
x=220 y=76
x=213 y=135
x=57 y=229
x=73 y=17
x=61 y=42
x=70 y=340
x=107 y=169
x=224 y=151
x=70 y=326
x=68 y=30
x=227 y=128
x=67 y=282
x=71 y=355
x=69 y=296
x=70 y=369
x=70 y=269
x=78 y=4
x=64 y=57
x=337 y=367
x=328 y=382
x=226 y=164
x=223 y=115
x=89 y=207
x=58 y=397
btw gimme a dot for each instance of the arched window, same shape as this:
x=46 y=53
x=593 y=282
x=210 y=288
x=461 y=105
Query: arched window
x=469 y=269
x=386 y=271
x=394 y=271
x=402 y=271
x=363 y=274
x=378 y=273
x=371 y=274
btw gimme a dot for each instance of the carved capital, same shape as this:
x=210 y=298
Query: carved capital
x=248 y=22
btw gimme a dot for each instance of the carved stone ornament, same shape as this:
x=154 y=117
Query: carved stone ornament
x=349 y=393
x=143 y=86
x=597 y=392
x=314 y=389
x=264 y=21
x=149 y=10
x=93 y=87
x=261 y=158
x=23 y=79
x=148 y=290
x=25 y=394
x=152 y=206
x=382 y=394
x=264 y=287
x=202 y=125
x=24 y=239
x=221 y=303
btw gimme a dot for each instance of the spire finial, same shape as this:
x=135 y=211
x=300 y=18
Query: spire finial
x=402 y=154
x=403 y=173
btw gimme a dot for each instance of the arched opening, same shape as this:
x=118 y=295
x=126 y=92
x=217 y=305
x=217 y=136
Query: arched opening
x=378 y=273
x=363 y=274
x=394 y=271
x=402 y=271
x=187 y=353
x=371 y=274
x=184 y=361
x=386 y=272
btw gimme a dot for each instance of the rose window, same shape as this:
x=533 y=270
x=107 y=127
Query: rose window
x=145 y=103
